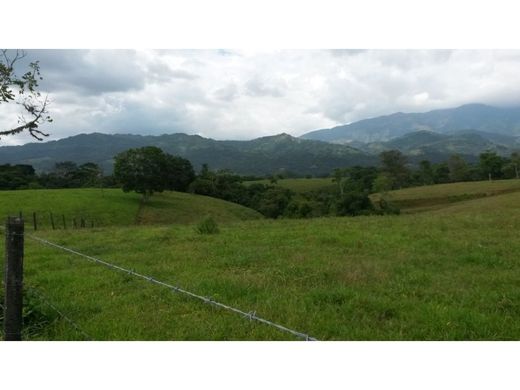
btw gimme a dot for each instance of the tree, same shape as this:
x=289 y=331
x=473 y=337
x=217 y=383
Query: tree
x=515 y=162
x=458 y=168
x=393 y=163
x=425 y=172
x=353 y=203
x=147 y=170
x=23 y=90
x=491 y=165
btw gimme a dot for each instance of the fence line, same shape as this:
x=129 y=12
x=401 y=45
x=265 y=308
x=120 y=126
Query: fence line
x=71 y=322
x=251 y=315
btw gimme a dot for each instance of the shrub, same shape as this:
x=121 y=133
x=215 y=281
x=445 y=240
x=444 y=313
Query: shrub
x=386 y=207
x=354 y=203
x=207 y=226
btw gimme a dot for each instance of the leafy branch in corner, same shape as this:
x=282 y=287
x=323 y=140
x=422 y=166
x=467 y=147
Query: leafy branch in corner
x=23 y=90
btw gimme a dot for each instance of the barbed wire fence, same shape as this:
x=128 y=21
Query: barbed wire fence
x=250 y=315
x=47 y=302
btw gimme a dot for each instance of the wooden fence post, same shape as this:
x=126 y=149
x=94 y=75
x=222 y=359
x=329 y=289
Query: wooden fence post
x=52 y=222
x=13 y=279
x=64 y=224
x=34 y=221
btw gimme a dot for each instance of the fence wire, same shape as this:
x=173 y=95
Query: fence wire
x=60 y=313
x=251 y=315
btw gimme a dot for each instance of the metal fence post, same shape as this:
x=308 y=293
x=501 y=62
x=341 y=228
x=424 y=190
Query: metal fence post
x=13 y=279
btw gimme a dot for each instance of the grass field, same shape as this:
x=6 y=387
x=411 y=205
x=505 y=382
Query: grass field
x=432 y=197
x=448 y=274
x=113 y=207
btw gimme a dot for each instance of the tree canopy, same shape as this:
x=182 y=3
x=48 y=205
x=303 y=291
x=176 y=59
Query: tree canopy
x=23 y=90
x=148 y=169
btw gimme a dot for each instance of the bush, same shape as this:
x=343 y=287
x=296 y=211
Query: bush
x=386 y=207
x=354 y=203
x=207 y=226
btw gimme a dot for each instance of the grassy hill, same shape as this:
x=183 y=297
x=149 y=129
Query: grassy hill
x=425 y=276
x=439 y=195
x=446 y=274
x=113 y=207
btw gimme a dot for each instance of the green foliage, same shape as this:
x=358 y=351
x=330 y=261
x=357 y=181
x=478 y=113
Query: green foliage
x=491 y=165
x=425 y=173
x=207 y=226
x=13 y=177
x=393 y=164
x=23 y=90
x=147 y=170
x=382 y=183
x=458 y=168
x=272 y=202
x=353 y=203
x=67 y=174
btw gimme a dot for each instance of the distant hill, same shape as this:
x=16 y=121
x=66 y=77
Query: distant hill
x=479 y=117
x=261 y=156
x=113 y=207
x=437 y=147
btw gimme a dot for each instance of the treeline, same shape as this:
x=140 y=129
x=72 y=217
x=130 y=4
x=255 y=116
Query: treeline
x=395 y=172
x=66 y=174
x=148 y=170
x=353 y=185
x=274 y=201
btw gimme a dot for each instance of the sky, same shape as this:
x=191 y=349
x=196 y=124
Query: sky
x=244 y=94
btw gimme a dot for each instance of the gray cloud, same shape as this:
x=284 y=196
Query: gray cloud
x=258 y=87
x=245 y=94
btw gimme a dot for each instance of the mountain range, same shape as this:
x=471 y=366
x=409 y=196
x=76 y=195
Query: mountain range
x=467 y=130
x=262 y=156
x=478 y=117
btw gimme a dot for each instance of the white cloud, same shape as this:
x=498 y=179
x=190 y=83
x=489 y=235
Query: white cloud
x=241 y=94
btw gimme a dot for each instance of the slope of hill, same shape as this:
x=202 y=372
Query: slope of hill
x=267 y=155
x=113 y=207
x=471 y=116
x=438 y=196
x=427 y=276
x=439 y=147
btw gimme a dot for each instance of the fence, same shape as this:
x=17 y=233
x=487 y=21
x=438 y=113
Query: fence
x=14 y=269
x=59 y=221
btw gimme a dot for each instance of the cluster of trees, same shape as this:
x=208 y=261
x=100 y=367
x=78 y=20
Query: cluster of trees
x=395 y=172
x=349 y=197
x=13 y=177
x=147 y=170
x=66 y=174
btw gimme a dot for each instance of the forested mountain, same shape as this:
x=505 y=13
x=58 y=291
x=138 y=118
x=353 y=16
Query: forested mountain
x=436 y=147
x=267 y=155
x=478 y=117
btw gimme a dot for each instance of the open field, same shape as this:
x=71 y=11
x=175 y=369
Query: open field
x=299 y=185
x=416 y=199
x=113 y=207
x=452 y=274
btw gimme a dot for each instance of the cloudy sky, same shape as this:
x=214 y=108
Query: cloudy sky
x=241 y=94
